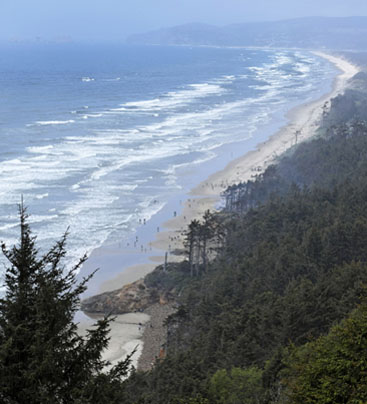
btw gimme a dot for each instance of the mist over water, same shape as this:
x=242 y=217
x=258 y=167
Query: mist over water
x=98 y=138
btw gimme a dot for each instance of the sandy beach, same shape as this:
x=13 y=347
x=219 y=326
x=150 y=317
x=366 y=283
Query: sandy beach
x=302 y=124
x=125 y=336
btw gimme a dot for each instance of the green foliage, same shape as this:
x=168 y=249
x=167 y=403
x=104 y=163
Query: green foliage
x=174 y=278
x=193 y=400
x=42 y=357
x=291 y=265
x=332 y=369
x=239 y=386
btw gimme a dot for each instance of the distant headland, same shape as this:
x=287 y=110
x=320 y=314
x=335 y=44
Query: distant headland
x=342 y=33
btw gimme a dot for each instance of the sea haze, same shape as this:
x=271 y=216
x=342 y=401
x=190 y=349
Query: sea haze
x=98 y=138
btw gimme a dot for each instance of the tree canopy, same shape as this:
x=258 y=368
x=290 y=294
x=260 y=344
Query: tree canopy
x=43 y=359
x=332 y=369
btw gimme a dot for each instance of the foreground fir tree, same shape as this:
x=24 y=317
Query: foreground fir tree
x=42 y=357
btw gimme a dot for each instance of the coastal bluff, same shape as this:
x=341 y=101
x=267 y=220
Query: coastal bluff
x=136 y=296
x=151 y=295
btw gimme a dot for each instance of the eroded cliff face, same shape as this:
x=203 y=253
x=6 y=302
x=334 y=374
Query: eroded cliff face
x=136 y=296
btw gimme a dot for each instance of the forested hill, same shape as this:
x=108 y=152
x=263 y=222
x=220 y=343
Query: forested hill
x=311 y=32
x=272 y=296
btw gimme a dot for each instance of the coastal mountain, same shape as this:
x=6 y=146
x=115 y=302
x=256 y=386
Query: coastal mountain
x=310 y=32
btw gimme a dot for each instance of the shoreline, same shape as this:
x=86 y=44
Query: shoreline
x=302 y=120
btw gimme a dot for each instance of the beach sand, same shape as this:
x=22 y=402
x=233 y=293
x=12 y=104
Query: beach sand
x=125 y=336
x=303 y=122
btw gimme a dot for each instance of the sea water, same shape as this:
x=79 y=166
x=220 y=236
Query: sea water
x=98 y=138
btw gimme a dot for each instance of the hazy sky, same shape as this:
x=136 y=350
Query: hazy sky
x=115 y=19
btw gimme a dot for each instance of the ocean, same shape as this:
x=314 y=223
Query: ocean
x=99 y=138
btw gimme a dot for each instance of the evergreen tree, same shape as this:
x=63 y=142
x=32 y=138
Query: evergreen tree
x=331 y=369
x=42 y=357
x=237 y=386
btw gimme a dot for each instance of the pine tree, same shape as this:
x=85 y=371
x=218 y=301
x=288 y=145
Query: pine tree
x=42 y=357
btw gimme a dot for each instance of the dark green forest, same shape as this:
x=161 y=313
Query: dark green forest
x=289 y=275
x=271 y=297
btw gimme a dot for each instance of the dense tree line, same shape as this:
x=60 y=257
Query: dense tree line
x=293 y=265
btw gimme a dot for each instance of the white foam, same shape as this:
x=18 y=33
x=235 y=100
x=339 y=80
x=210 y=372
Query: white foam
x=86 y=116
x=126 y=187
x=283 y=59
x=42 y=123
x=87 y=79
x=9 y=226
x=91 y=197
x=39 y=149
x=171 y=99
x=41 y=218
x=42 y=196
x=302 y=68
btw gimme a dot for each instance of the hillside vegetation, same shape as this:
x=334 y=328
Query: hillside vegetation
x=279 y=315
